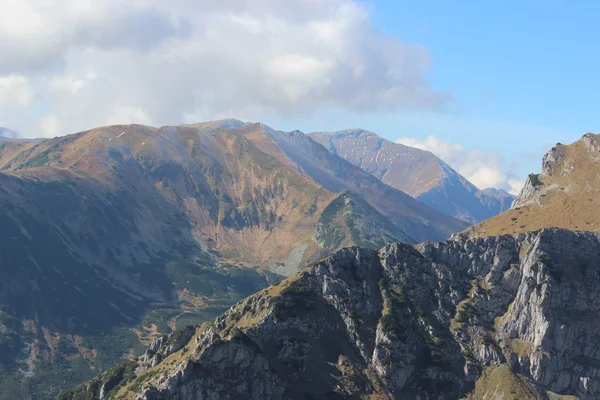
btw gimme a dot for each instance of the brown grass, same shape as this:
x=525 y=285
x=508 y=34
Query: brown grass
x=500 y=383
x=568 y=198
x=522 y=348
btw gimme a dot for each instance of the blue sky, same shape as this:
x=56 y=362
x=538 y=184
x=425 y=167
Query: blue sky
x=521 y=76
x=531 y=66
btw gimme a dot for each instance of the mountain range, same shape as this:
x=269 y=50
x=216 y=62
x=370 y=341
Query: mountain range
x=114 y=236
x=416 y=172
x=478 y=316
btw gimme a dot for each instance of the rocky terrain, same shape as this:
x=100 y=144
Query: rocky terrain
x=417 y=172
x=565 y=194
x=114 y=236
x=505 y=317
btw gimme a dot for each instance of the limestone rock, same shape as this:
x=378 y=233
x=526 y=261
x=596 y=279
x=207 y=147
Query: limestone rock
x=466 y=318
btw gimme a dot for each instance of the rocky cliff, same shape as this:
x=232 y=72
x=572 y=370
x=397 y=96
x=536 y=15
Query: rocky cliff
x=506 y=317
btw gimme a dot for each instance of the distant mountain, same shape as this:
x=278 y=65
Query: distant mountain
x=417 y=172
x=565 y=195
x=496 y=200
x=349 y=220
x=115 y=235
x=336 y=174
x=8 y=133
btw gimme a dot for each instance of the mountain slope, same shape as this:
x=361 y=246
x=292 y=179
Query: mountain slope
x=349 y=220
x=336 y=174
x=113 y=236
x=417 y=172
x=564 y=195
x=511 y=317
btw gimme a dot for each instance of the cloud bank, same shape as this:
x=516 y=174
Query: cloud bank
x=69 y=66
x=485 y=169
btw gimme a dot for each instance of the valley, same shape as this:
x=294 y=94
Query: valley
x=114 y=236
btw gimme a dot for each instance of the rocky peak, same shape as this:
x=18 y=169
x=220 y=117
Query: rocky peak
x=564 y=194
x=498 y=317
x=592 y=141
x=552 y=158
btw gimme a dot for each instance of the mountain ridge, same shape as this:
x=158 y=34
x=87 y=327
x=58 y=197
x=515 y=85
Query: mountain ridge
x=563 y=195
x=175 y=223
x=417 y=172
x=467 y=318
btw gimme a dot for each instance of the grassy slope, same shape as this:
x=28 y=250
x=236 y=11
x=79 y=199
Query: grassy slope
x=568 y=198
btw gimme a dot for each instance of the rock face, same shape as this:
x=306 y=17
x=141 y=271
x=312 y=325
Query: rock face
x=417 y=172
x=507 y=317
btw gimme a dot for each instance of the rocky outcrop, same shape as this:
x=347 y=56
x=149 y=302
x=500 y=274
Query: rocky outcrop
x=164 y=346
x=591 y=141
x=534 y=188
x=507 y=316
x=529 y=194
x=552 y=159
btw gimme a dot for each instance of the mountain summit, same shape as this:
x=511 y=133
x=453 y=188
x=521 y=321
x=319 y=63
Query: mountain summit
x=565 y=194
x=417 y=172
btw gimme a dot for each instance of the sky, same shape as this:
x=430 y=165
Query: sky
x=487 y=86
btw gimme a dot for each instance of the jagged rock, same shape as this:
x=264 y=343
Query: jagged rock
x=528 y=195
x=466 y=318
x=552 y=158
x=591 y=141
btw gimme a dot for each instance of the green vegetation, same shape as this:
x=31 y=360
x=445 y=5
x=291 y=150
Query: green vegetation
x=465 y=313
x=397 y=302
x=487 y=339
x=49 y=378
x=222 y=285
x=348 y=219
x=331 y=236
x=501 y=382
x=112 y=381
x=294 y=299
x=111 y=346
x=535 y=180
x=137 y=383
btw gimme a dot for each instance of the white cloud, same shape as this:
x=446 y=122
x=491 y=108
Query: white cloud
x=87 y=60
x=49 y=126
x=15 y=91
x=485 y=169
x=128 y=115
